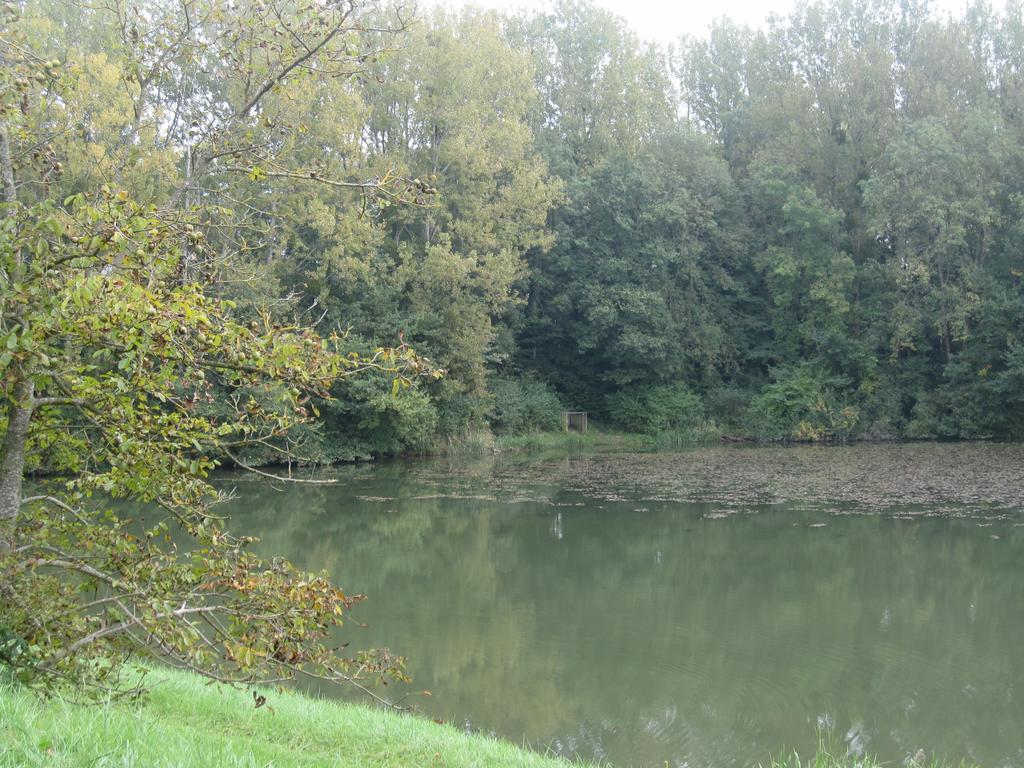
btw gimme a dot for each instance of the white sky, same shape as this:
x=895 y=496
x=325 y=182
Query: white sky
x=665 y=21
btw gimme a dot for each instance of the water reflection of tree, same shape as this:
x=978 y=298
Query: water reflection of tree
x=660 y=635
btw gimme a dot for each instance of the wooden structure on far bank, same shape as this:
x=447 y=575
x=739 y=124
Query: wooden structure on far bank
x=576 y=421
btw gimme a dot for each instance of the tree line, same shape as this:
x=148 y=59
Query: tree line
x=805 y=231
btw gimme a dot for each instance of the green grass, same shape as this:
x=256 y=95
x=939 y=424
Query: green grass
x=700 y=434
x=597 y=439
x=832 y=753
x=546 y=441
x=187 y=723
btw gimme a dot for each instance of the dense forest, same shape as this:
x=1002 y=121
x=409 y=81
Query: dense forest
x=807 y=231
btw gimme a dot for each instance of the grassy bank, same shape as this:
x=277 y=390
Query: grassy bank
x=598 y=439
x=185 y=722
x=594 y=440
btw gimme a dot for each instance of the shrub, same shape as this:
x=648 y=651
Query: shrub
x=659 y=409
x=803 y=403
x=729 y=406
x=523 y=405
x=368 y=419
x=457 y=412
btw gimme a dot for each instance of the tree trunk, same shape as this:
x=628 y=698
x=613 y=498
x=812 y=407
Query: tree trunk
x=19 y=410
x=6 y=167
x=12 y=467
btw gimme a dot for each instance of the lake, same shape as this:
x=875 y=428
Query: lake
x=701 y=608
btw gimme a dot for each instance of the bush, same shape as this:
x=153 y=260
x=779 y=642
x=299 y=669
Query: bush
x=881 y=404
x=803 y=403
x=523 y=405
x=368 y=420
x=729 y=406
x=457 y=412
x=924 y=422
x=659 y=409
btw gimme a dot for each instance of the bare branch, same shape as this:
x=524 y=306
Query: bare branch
x=277 y=478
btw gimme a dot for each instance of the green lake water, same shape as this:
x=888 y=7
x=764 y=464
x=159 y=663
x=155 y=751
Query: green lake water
x=703 y=608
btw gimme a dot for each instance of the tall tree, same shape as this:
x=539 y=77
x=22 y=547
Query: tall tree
x=112 y=353
x=452 y=108
x=643 y=279
x=602 y=91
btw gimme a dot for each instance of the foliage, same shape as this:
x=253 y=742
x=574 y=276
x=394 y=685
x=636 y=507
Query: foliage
x=656 y=410
x=545 y=196
x=851 y=222
x=119 y=358
x=452 y=107
x=129 y=378
x=639 y=287
x=524 y=405
x=802 y=404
